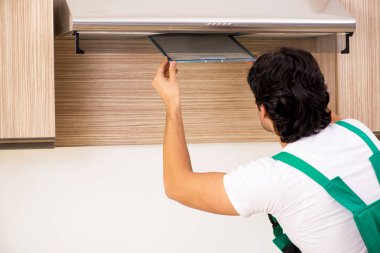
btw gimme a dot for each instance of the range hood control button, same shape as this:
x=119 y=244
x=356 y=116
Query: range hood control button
x=219 y=24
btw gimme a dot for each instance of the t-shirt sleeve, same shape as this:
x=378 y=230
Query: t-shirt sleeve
x=252 y=188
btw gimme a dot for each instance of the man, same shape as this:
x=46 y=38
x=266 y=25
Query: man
x=292 y=99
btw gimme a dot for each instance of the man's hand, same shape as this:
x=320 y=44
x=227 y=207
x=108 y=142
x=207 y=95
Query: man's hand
x=165 y=82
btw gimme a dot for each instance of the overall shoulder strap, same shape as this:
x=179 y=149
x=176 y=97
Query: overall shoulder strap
x=359 y=133
x=336 y=187
x=375 y=158
x=302 y=166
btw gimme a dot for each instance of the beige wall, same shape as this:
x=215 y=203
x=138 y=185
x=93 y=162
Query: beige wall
x=111 y=199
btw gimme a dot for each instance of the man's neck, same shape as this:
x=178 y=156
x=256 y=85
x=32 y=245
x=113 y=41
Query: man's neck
x=334 y=118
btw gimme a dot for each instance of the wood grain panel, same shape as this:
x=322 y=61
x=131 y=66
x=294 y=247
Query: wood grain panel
x=359 y=71
x=26 y=71
x=105 y=97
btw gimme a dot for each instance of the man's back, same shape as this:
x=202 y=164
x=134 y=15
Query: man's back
x=311 y=218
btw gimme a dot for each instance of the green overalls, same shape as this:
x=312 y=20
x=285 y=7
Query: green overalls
x=367 y=217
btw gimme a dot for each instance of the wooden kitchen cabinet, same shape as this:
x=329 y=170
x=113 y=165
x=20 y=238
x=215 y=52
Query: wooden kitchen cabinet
x=358 y=80
x=26 y=74
x=105 y=96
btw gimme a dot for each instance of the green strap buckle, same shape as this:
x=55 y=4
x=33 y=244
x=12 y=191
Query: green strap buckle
x=282 y=241
x=375 y=160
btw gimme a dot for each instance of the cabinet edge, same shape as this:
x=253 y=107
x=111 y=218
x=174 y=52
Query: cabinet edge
x=32 y=143
x=377 y=134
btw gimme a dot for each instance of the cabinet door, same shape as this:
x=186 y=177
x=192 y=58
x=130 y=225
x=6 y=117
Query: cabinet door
x=359 y=71
x=26 y=73
x=107 y=98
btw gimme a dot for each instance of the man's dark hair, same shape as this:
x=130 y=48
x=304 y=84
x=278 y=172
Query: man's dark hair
x=292 y=89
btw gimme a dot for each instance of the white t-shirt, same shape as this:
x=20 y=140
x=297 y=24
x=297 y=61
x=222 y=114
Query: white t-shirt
x=310 y=217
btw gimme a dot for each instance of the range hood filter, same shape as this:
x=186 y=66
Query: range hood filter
x=201 y=48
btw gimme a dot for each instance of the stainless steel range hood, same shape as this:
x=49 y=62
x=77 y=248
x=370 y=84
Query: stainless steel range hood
x=243 y=17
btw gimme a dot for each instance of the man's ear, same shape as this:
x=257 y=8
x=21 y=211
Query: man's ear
x=266 y=121
x=263 y=111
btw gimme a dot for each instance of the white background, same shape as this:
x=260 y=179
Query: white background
x=111 y=199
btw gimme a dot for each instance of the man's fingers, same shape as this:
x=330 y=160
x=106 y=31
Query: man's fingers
x=162 y=68
x=166 y=71
x=173 y=70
